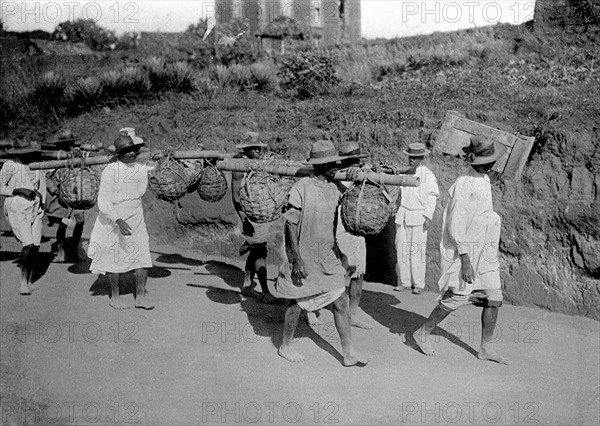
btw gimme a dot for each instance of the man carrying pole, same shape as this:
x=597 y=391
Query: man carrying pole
x=312 y=276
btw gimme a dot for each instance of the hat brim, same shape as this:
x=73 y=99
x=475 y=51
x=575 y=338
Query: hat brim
x=58 y=144
x=499 y=150
x=251 y=145
x=19 y=151
x=129 y=148
x=353 y=156
x=424 y=154
x=325 y=160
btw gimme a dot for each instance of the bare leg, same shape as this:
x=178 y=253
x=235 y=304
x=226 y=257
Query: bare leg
x=77 y=233
x=342 y=323
x=292 y=316
x=355 y=291
x=141 y=277
x=247 y=286
x=61 y=235
x=24 y=266
x=421 y=335
x=261 y=272
x=488 y=324
x=115 y=298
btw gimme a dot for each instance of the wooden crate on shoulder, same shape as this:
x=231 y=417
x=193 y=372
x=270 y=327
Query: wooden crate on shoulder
x=456 y=132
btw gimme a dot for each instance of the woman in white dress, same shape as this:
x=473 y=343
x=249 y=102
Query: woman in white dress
x=119 y=242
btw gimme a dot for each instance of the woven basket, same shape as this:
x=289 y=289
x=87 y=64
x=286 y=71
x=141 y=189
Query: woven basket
x=78 y=187
x=366 y=209
x=262 y=196
x=169 y=180
x=212 y=186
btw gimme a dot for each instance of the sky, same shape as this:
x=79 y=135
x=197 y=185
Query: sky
x=380 y=18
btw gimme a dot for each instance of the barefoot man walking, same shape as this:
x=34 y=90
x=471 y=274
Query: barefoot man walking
x=313 y=277
x=119 y=242
x=469 y=248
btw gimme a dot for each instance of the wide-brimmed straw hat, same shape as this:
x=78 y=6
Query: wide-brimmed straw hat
x=250 y=140
x=20 y=147
x=417 y=150
x=63 y=140
x=483 y=151
x=351 y=150
x=323 y=152
x=124 y=144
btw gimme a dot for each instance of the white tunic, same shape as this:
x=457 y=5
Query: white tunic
x=120 y=197
x=24 y=216
x=418 y=203
x=470 y=226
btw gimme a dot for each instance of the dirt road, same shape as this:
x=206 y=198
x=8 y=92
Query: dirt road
x=206 y=355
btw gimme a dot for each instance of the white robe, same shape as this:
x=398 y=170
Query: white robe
x=120 y=197
x=470 y=226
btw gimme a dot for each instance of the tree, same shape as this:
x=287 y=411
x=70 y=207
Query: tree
x=86 y=31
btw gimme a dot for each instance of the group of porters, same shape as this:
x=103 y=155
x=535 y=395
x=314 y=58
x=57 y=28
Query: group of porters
x=268 y=185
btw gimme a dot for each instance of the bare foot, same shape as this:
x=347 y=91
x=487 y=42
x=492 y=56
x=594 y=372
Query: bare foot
x=142 y=303
x=357 y=322
x=250 y=292
x=491 y=355
x=313 y=319
x=116 y=303
x=269 y=299
x=60 y=256
x=401 y=288
x=422 y=343
x=290 y=354
x=355 y=360
x=24 y=290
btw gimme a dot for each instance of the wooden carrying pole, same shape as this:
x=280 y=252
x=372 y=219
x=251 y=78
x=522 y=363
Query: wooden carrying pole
x=301 y=170
x=95 y=160
x=227 y=163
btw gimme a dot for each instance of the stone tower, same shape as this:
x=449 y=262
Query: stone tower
x=337 y=20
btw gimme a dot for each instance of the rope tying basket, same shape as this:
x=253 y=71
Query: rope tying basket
x=194 y=171
x=169 y=180
x=212 y=186
x=262 y=196
x=366 y=209
x=78 y=186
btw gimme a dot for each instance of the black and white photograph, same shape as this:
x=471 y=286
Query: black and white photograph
x=300 y=212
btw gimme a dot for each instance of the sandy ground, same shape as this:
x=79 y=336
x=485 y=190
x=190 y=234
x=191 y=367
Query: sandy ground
x=206 y=355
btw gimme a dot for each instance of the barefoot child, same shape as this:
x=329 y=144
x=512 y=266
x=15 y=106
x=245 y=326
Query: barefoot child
x=25 y=190
x=312 y=276
x=469 y=248
x=256 y=234
x=119 y=242
x=353 y=248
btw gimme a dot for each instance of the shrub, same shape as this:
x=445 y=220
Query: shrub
x=49 y=93
x=309 y=74
x=84 y=95
x=179 y=77
x=154 y=67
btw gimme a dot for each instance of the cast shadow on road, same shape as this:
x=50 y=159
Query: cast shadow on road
x=382 y=308
x=267 y=320
x=101 y=287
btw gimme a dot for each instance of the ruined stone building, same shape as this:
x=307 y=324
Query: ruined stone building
x=336 y=20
